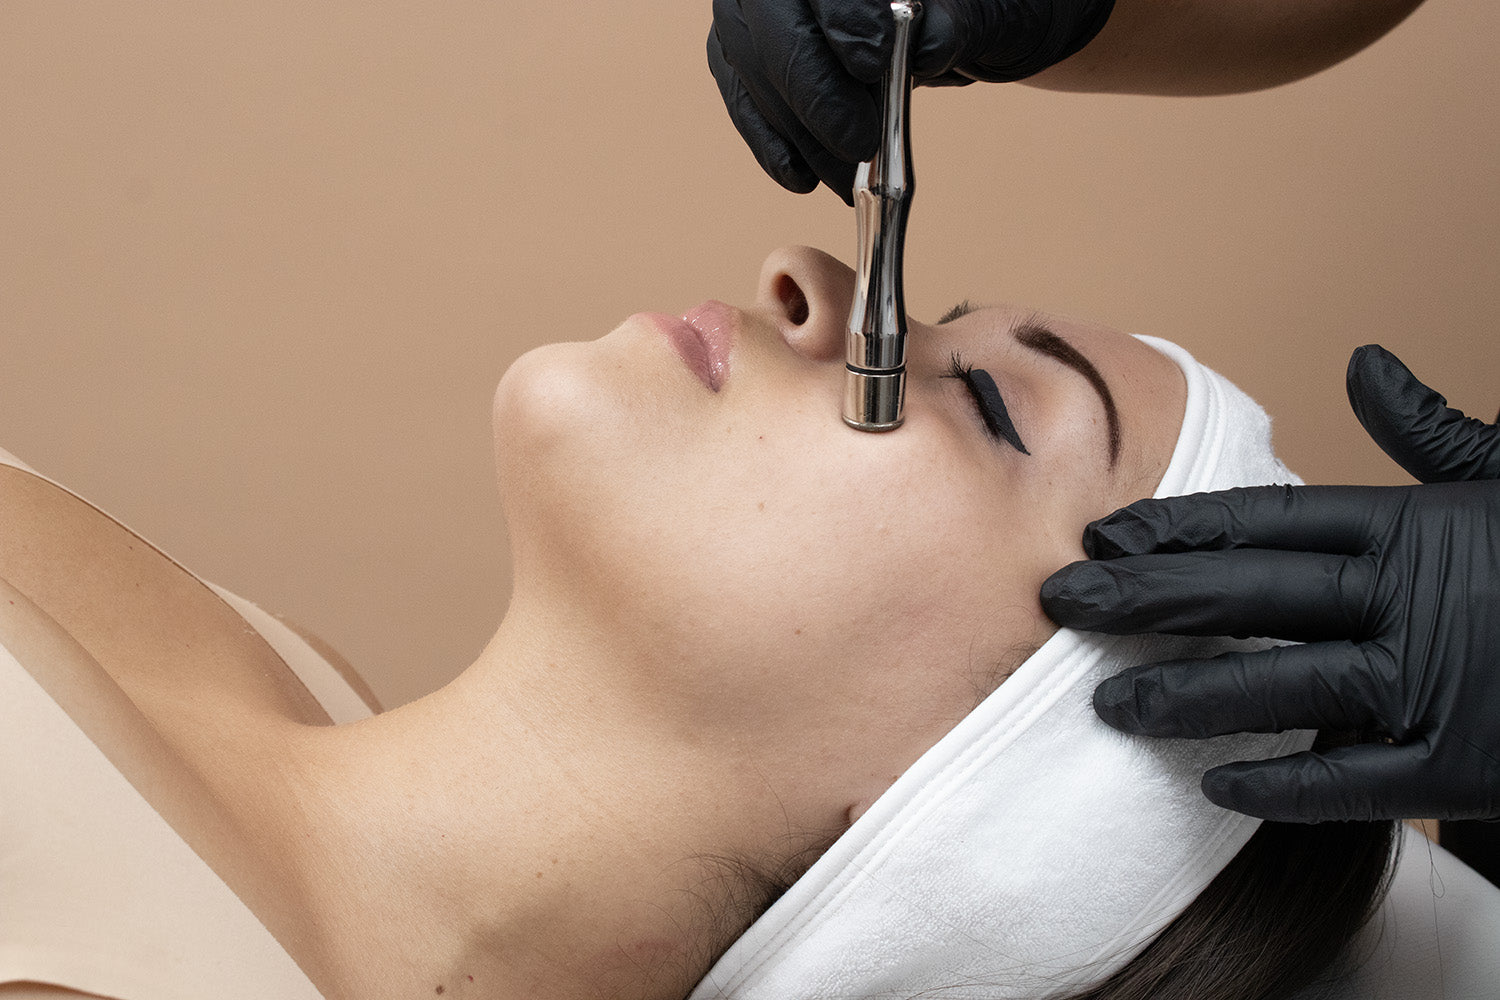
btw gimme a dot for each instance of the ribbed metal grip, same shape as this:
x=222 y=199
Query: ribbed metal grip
x=875 y=344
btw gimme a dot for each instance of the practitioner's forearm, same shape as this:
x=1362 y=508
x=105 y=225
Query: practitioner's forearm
x=1221 y=46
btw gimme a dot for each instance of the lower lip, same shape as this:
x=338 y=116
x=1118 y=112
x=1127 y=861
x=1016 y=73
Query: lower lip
x=702 y=338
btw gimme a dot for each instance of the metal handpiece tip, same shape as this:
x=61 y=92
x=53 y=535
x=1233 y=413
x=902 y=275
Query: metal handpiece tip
x=873 y=401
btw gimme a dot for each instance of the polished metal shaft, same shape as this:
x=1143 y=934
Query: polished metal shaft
x=875 y=342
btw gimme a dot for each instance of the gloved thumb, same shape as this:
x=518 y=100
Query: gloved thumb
x=946 y=35
x=961 y=41
x=1414 y=425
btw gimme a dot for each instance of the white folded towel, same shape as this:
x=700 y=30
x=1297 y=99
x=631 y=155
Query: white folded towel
x=1033 y=848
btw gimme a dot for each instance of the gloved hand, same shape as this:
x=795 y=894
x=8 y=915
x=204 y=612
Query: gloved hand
x=800 y=77
x=1395 y=590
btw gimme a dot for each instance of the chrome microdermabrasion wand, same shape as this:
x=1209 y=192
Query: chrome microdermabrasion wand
x=875 y=341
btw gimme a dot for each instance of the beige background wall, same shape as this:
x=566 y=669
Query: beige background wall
x=262 y=264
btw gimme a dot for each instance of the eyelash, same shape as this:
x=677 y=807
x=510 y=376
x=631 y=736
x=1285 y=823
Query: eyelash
x=958 y=369
x=996 y=420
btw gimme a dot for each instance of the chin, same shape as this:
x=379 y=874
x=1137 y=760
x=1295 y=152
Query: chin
x=580 y=399
x=575 y=440
x=542 y=409
x=535 y=387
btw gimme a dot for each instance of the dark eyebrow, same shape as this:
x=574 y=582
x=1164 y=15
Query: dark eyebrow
x=1042 y=340
x=962 y=309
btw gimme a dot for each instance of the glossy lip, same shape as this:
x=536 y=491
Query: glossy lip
x=703 y=338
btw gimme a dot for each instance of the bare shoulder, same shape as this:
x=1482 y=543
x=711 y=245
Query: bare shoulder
x=345 y=669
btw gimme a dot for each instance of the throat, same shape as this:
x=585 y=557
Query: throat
x=462 y=851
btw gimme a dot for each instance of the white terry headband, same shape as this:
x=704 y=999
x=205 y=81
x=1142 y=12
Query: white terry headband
x=1033 y=849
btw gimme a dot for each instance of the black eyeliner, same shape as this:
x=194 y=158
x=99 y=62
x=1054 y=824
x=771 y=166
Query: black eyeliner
x=991 y=405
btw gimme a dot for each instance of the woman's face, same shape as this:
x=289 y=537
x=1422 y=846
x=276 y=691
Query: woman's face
x=833 y=600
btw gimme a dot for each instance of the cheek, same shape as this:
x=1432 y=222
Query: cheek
x=1071 y=489
x=851 y=585
x=860 y=701
x=792 y=551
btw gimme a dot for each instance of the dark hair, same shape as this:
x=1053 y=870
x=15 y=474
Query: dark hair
x=1281 y=916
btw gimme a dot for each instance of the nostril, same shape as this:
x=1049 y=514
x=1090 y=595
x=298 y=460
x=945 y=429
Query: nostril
x=791 y=297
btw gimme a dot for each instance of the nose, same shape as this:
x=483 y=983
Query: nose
x=807 y=293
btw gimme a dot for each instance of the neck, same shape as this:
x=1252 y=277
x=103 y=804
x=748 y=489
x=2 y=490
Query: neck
x=518 y=834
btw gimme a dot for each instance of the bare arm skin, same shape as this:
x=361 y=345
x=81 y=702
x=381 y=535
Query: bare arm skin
x=1194 y=47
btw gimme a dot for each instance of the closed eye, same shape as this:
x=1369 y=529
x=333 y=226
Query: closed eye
x=987 y=401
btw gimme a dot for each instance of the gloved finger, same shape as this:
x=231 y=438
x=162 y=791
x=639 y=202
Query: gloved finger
x=837 y=110
x=734 y=37
x=774 y=154
x=1328 y=685
x=998 y=42
x=835 y=174
x=859 y=34
x=1414 y=425
x=945 y=80
x=1321 y=518
x=959 y=40
x=1303 y=596
x=936 y=44
x=1371 y=781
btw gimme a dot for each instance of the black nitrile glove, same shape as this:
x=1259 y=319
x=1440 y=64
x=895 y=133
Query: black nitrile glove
x=800 y=77
x=1394 y=590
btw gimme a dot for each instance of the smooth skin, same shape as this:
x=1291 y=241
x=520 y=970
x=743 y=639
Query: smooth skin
x=718 y=653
